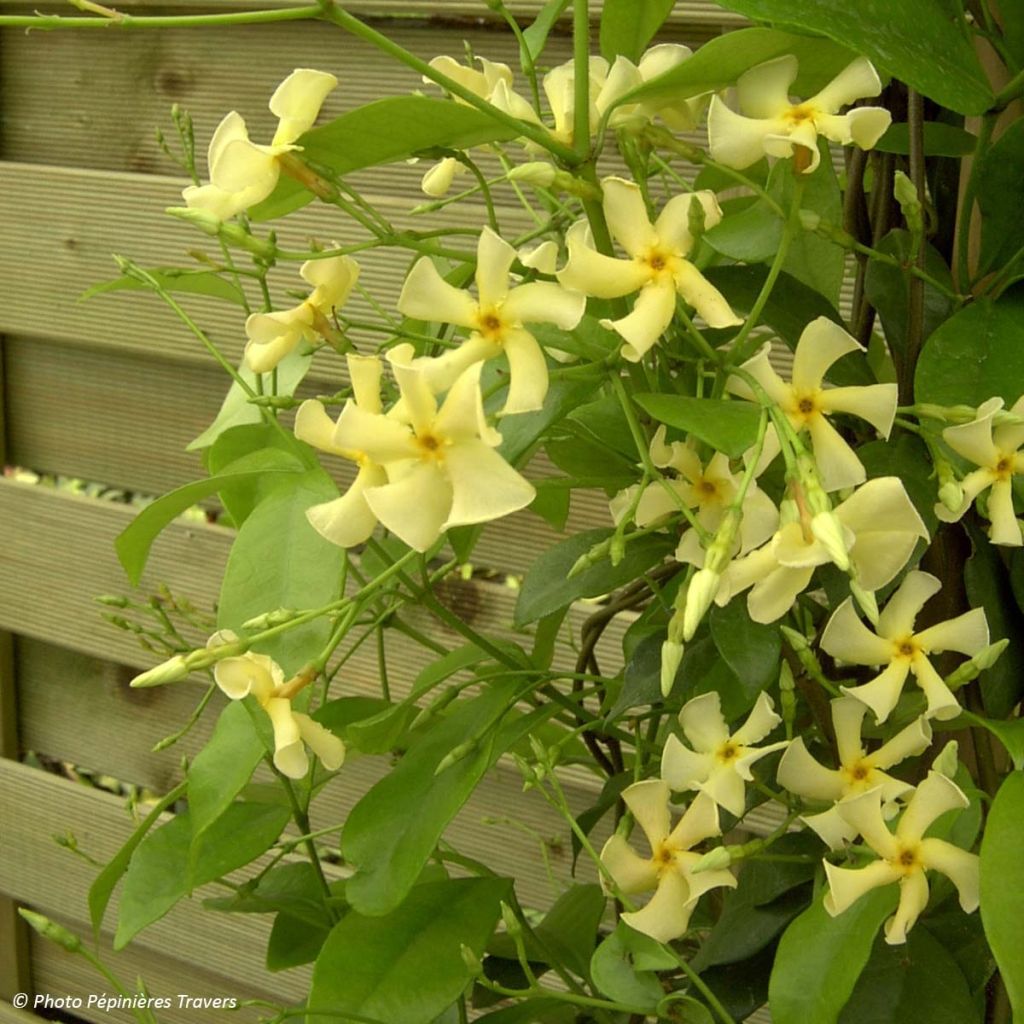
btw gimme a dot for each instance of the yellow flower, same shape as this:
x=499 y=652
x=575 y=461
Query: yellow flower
x=774 y=124
x=668 y=870
x=657 y=266
x=243 y=173
x=901 y=650
x=347 y=520
x=496 y=319
x=261 y=677
x=719 y=763
x=442 y=469
x=996 y=450
x=858 y=770
x=273 y=335
x=807 y=404
x=881 y=527
x=904 y=856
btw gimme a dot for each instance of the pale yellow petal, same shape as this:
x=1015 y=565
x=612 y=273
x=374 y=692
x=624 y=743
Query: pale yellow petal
x=437 y=179
x=847 y=721
x=705 y=298
x=348 y=520
x=864 y=813
x=760 y=368
x=648 y=803
x=830 y=828
x=683 y=768
x=760 y=722
x=1005 y=528
x=327 y=747
x=856 y=81
x=316 y=428
x=967 y=633
x=643 y=327
x=932 y=798
x=250 y=673
x=544 y=302
x=631 y=872
x=727 y=789
x=667 y=915
x=776 y=594
x=494 y=258
x=364 y=372
x=528 y=380
x=289 y=755
x=593 y=273
x=867 y=125
x=793 y=550
x=702 y=722
x=415 y=507
x=908 y=742
x=673 y=223
x=381 y=438
x=847 y=885
x=822 y=343
x=959 y=866
x=838 y=464
x=626 y=213
x=883 y=692
x=942 y=703
x=763 y=91
x=974 y=440
x=297 y=102
x=875 y=403
x=483 y=485
x=897 y=618
x=428 y=296
x=332 y=279
x=231 y=127
x=245 y=168
x=735 y=140
x=699 y=822
x=802 y=774
x=847 y=639
x=913 y=900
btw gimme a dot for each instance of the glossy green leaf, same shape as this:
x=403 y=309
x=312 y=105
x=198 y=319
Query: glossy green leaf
x=570 y=927
x=293 y=887
x=623 y=968
x=133 y=544
x=720 y=61
x=174 y=279
x=380 y=133
x=728 y=426
x=392 y=831
x=156 y=877
x=536 y=34
x=888 y=289
x=1009 y=732
x=704 y=671
x=1002 y=885
x=1001 y=198
x=940 y=139
x=236 y=409
x=294 y=942
x=751 y=234
x=820 y=958
x=901 y=39
x=627 y=26
x=279 y=561
x=222 y=769
x=750 y=649
x=591 y=463
x=641 y=680
x=919 y=983
x=542 y=1010
x=547 y=586
x=106 y=881
x=406 y=966
x=988 y=586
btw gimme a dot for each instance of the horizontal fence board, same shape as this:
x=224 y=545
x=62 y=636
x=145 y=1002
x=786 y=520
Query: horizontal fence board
x=125 y=422
x=9 y=1015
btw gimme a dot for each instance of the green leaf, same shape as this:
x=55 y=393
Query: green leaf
x=381 y=133
x=1002 y=885
x=406 y=967
x=627 y=26
x=222 y=769
x=294 y=942
x=1001 y=199
x=570 y=927
x=976 y=354
x=174 y=279
x=641 y=680
x=720 y=61
x=820 y=958
x=520 y=432
x=1009 y=732
x=591 y=463
x=988 y=586
x=940 y=139
x=919 y=983
x=156 y=877
x=900 y=39
x=547 y=587
x=704 y=671
x=751 y=234
x=536 y=34
x=279 y=561
x=134 y=542
x=623 y=968
x=532 y=1011
x=888 y=289
x=728 y=426
x=392 y=831
x=106 y=881
x=236 y=409
x=749 y=649
x=293 y=888
x=552 y=502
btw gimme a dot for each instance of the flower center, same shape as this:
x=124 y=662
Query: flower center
x=728 y=752
x=804 y=406
x=800 y=113
x=658 y=261
x=430 y=446
x=906 y=860
x=490 y=324
x=707 y=489
x=1004 y=467
x=906 y=648
x=858 y=773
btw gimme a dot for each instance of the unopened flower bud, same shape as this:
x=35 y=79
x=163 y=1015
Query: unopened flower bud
x=867 y=601
x=471 y=960
x=536 y=172
x=699 y=595
x=970 y=670
x=695 y=218
x=171 y=671
x=227 y=231
x=592 y=557
x=51 y=930
x=509 y=919
x=456 y=754
x=438 y=180
x=671 y=658
x=910 y=203
x=211 y=655
x=714 y=860
x=948 y=760
x=278 y=617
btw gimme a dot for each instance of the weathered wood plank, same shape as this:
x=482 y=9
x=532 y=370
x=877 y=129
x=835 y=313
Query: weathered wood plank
x=9 y=1015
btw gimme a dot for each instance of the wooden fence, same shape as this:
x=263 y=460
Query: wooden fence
x=111 y=391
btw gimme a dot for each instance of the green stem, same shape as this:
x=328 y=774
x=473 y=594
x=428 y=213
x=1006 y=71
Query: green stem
x=333 y=13
x=988 y=123
x=581 y=79
x=698 y=983
x=302 y=821
x=915 y=299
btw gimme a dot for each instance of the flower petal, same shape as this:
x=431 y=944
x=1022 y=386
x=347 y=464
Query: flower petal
x=415 y=507
x=838 y=464
x=802 y=774
x=648 y=803
x=942 y=703
x=822 y=342
x=593 y=273
x=419 y=407
x=847 y=722
x=763 y=91
x=967 y=633
x=699 y=822
x=381 y=438
x=727 y=789
x=897 y=619
x=630 y=871
x=702 y=722
x=683 y=768
x=974 y=440
x=528 y=380
x=933 y=797
x=245 y=168
x=332 y=279
x=484 y=486
x=760 y=368
x=667 y=915
x=494 y=258
x=959 y=866
x=673 y=223
x=348 y=520
x=327 y=747
x=883 y=692
x=1005 y=528
x=875 y=403
x=250 y=673
x=626 y=213
x=831 y=828
x=760 y=519
x=314 y=426
x=776 y=594
x=364 y=373
x=297 y=102
x=289 y=755
x=913 y=900
x=760 y=722
x=735 y=140
x=855 y=82
x=847 y=885
x=793 y=550
x=867 y=125
x=544 y=302
x=908 y=742
x=864 y=813
x=426 y=295
x=705 y=298
x=651 y=315
x=847 y=639
x=231 y=127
